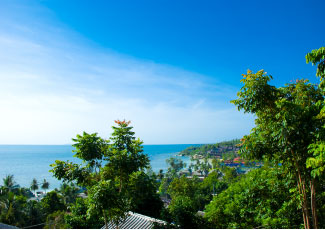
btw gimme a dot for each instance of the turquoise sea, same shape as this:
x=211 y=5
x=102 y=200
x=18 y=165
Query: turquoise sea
x=26 y=162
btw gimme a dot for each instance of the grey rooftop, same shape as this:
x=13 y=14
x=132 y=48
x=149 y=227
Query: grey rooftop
x=136 y=221
x=6 y=226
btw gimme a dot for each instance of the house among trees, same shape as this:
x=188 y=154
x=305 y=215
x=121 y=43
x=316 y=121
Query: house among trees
x=136 y=221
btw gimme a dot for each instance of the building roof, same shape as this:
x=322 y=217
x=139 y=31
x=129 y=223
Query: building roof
x=136 y=221
x=6 y=226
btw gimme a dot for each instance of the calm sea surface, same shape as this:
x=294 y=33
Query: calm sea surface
x=26 y=162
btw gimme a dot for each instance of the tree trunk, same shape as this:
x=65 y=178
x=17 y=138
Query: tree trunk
x=313 y=203
x=105 y=219
x=302 y=191
x=304 y=214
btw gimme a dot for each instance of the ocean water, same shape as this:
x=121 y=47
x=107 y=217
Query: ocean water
x=26 y=162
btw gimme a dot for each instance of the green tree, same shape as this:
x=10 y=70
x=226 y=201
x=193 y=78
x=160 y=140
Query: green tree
x=142 y=192
x=125 y=155
x=184 y=213
x=260 y=199
x=318 y=57
x=9 y=182
x=34 y=213
x=69 y=192
x=285 y=127
x=56 y=221
x=212 y=184
x=45 y=185
x=175 y=164
x=34 y=186
x=316 y=162
x=183 y=187
x=11 y=209
x=52 y=202
x=90 y=148
x=79 y=218
x=105 y=198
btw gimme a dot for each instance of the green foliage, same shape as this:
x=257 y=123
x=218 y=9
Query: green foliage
x=34 y=213
x=285 y=127
x=52 y=202
x=229 y=174
x=45 y=185
x=212 y=184
x=68 y=192
x=318 y=57
x=11 y=209
x=175 y=165
x=56 y=221
x=183 y=187
x=183 y=212
x=191 y=188
x=259 y=199
x=69 y=172
x=78 y=218
x=105 y=198
x=125 y=155
x=317 y=161
x=9 y=182
x=142 y=192
x=34 y=185
x=90 y=148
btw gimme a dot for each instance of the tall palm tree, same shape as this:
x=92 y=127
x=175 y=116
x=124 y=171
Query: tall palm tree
x=45 y=185
x=9 y=182
x=34 y=186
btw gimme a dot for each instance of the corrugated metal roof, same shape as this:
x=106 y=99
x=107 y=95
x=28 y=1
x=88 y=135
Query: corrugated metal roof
x=6 y=226
x=136 y=221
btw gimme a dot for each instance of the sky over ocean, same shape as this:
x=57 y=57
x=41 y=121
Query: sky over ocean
x=169 y=67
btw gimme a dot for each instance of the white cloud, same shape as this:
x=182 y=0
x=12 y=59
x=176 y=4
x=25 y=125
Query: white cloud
x=53 y=86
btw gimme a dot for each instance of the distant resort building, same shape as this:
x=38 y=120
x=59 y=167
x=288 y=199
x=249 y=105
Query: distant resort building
x=136 y=221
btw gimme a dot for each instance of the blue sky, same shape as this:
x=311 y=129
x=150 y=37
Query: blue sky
x=171 y=67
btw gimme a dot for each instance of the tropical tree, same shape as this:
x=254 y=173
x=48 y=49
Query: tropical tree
x=175 y=164
x=105 y=198
x=260 y=199
x=34 y=186
x=45 y=185
x=90 y=148
x=318 y=57
x=9 y=182
x=69 y=192
x=79 y=218
x=12 y=209
x=56 y=220
x=34 y=213
x=125 y=155
x=285 y=127
x=143 y=196
x=52 y=202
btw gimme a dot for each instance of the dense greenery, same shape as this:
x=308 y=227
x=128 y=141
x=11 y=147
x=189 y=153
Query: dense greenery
x=118 y=186
x=260 y=199
x=285 y=127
